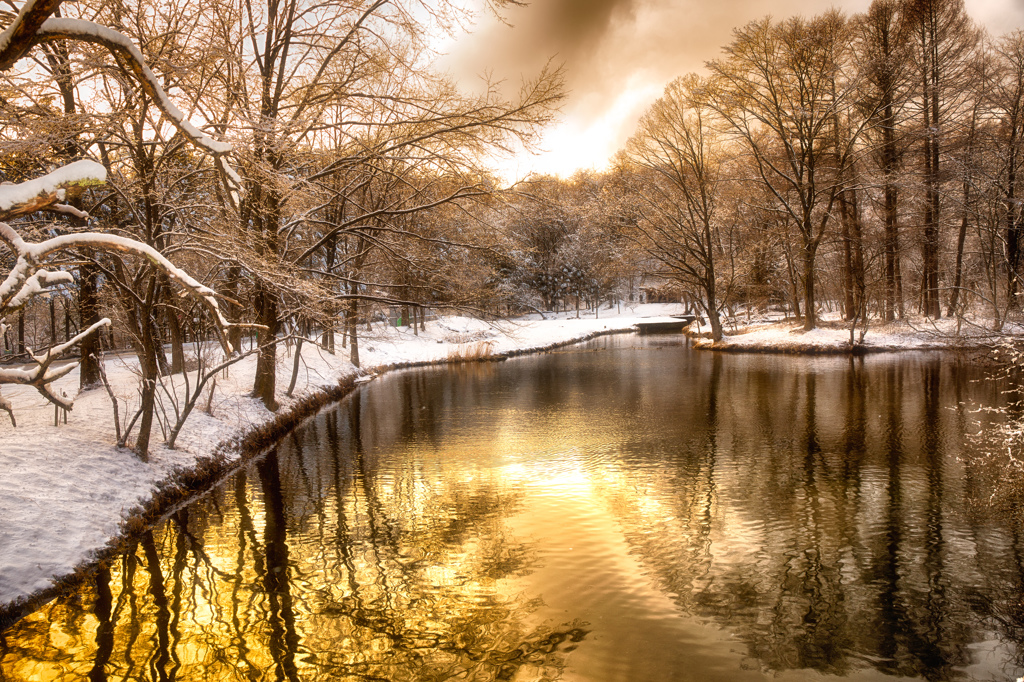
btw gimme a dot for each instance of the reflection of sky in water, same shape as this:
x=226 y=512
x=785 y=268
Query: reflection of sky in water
x=615 y=514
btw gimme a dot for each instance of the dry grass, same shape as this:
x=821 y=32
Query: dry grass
x=467 y=352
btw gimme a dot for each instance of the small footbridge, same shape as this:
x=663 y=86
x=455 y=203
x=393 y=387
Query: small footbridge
x=665 y=324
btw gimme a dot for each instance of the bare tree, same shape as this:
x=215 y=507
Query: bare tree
x=300 y=69
x=943 y=51
x=882 y=51
x=35 y=25
x=1005 y=99
x=678 y=142
x=779 y=89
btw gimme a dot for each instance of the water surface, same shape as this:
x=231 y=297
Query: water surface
x=627 y=510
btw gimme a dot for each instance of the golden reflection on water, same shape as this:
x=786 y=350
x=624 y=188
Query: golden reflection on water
x=652 y=514
x=397 y=582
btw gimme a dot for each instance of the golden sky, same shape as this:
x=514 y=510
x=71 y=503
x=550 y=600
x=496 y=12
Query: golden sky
x=619 y=54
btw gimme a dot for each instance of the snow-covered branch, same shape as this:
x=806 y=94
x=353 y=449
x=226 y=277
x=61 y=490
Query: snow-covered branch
x=50 y=191
x=35 y=24
x=42 y=375
x=29 y=278
x=20 y=36
x=120 y=45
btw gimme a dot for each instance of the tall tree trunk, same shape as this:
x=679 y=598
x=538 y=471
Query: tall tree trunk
x=351 y=322
x=1012 y=222
x=265 y=383
x=714 y=319
x=170 y=315
x=263 y=213
x=794 y=283
x=892 y=248
x=233 y=309
x=954 y=296
x=930 y=244
x=150 y=373
x=810 y=314
x=849 y=304
x=857 y=233
x=53 y=320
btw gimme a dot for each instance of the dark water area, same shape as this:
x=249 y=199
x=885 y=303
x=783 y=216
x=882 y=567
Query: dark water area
x=628 y=510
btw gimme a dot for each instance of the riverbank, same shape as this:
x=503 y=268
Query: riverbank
x=773 y=335
x=68 y=492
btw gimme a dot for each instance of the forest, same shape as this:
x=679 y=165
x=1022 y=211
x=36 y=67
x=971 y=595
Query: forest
x=184 y=171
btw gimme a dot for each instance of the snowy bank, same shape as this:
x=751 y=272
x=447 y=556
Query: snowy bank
x=768 y=335
x=67 y=491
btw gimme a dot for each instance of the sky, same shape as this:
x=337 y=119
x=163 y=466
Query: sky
x=620 y=54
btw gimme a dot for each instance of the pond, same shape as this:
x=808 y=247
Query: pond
x=628 y=509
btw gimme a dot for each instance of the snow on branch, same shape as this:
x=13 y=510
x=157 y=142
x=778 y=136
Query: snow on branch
x=119 y=44
x=110 y=242
x=34 y=25
x=20 y=36
x=50 y=191
x=29 y=278
x=42 y=375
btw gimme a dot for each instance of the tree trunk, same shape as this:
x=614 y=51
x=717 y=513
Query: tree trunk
x=849 y=304
x=954 y=295
x=930 y=247
x=892 y=248
x=1012 y=224
x=810 y=314
x=794 y=284
x=265 y=383
x=233 y=309
x=890 y=161
x=150 y=372
x=296 y=362
x=352 y=322
x=170 y=310
x=327 y=338
x=714 y=320
x=860 y=286
x=53 y=321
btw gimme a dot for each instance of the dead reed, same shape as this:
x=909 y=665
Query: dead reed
x=470 y=352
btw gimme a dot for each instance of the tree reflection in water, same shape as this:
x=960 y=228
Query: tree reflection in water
x=827 y=544
x=774 y=517
x=306 y=568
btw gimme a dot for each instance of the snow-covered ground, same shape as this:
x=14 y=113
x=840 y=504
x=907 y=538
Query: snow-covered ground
x=65 y=490
x=770 y=333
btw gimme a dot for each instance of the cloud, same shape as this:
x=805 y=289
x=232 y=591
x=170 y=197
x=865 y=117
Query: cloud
x=612 y=47
x=999 y=16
